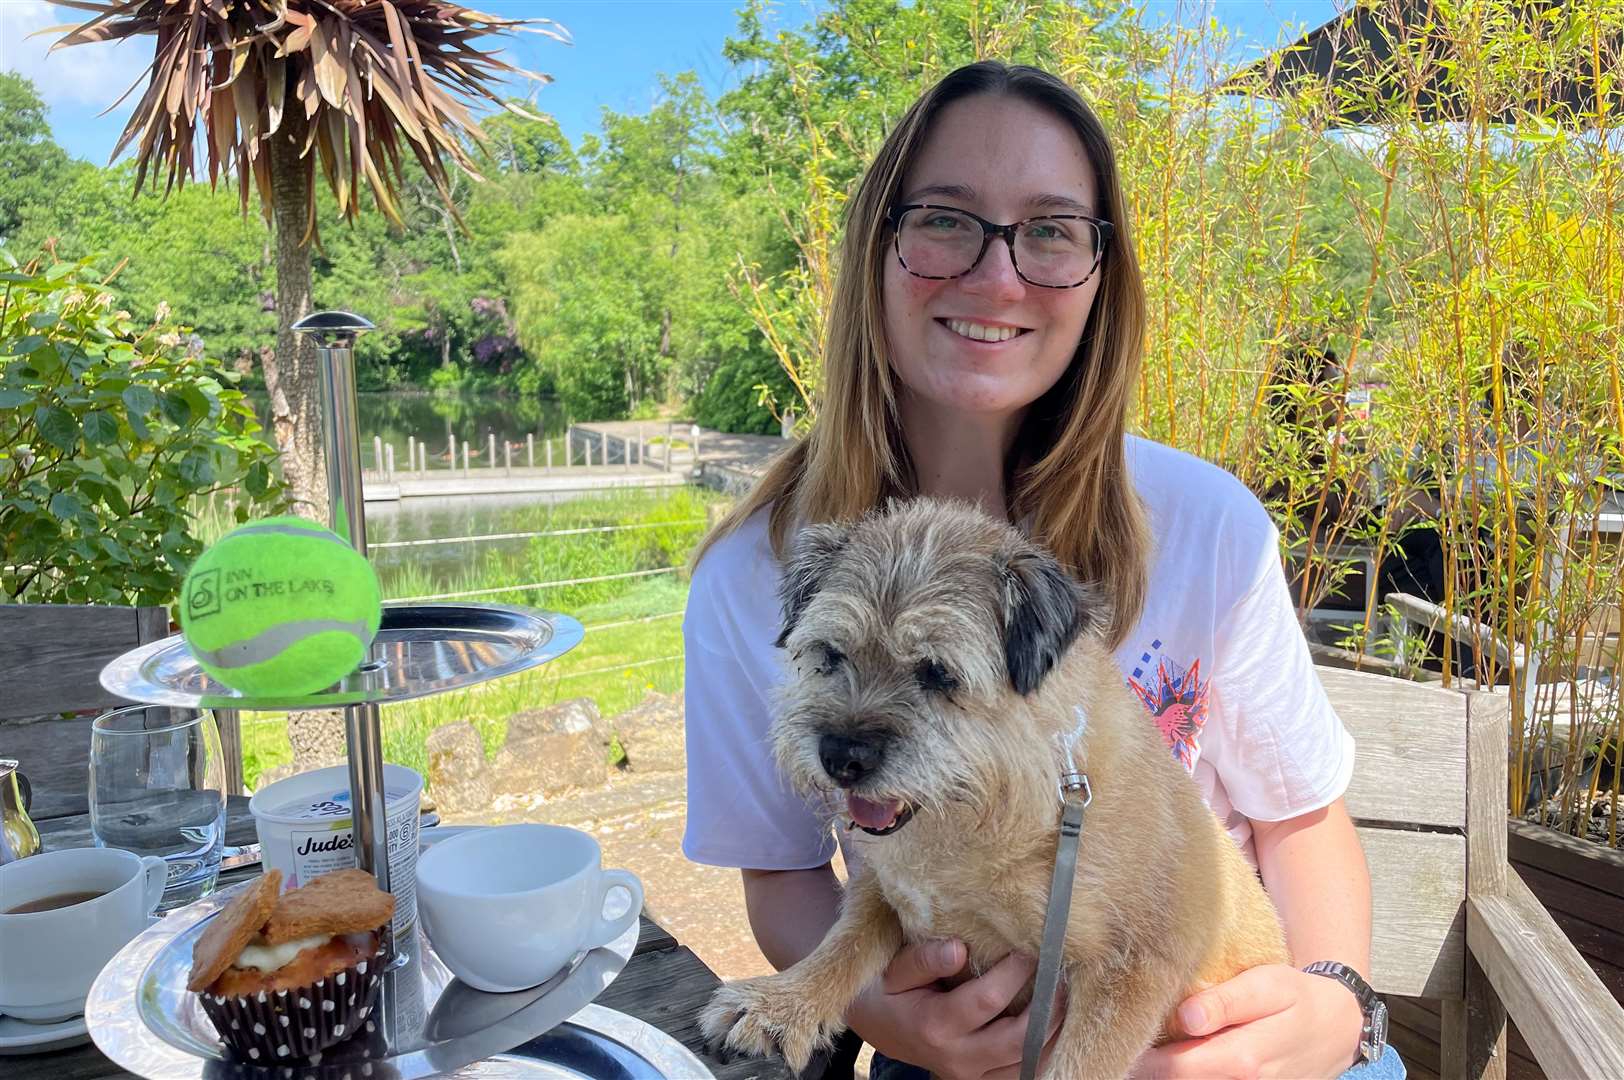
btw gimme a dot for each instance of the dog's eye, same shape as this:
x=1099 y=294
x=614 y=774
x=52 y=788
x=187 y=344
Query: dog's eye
x=936 y=678
x=830 y=658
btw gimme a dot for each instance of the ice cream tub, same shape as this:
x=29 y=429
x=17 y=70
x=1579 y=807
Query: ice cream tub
x=305 y=830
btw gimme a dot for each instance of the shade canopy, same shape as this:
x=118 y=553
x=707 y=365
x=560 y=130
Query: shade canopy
x=1376 y=56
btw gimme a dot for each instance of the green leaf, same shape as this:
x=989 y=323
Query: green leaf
x=101 y=429
x=65 y=505
x=139 y=400
x=196 y=469
x=175 y=409
x=58 y=427
x=257 y=480
x=14 y=399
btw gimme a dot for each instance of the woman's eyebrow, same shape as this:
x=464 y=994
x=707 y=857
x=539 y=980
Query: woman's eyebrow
x=1045 y=201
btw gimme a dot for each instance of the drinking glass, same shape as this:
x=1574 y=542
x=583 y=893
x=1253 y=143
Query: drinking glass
x=157 y=787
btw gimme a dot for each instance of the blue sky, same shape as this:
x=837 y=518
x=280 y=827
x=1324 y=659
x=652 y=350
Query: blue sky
x=620 y=48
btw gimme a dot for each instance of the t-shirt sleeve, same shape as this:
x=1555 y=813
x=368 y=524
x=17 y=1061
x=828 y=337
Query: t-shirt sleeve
x=1282 y=750
x=741 y=811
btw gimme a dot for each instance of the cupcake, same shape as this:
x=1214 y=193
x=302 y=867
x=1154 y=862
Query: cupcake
x=284 y=977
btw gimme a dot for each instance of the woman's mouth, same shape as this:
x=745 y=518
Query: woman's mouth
x=990 y=333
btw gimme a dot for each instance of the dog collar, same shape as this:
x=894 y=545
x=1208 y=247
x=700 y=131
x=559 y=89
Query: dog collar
x=1075 y=797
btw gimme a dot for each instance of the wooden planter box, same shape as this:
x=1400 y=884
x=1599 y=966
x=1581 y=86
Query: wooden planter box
x=1581 y=883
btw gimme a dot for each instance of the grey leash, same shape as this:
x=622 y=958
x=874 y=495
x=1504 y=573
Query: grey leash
x=1075 y=795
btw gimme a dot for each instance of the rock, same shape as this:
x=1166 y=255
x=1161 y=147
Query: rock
x=457 y=771
x=651 y=734
x=317 y=738
x=275 y=773
x=549 y=751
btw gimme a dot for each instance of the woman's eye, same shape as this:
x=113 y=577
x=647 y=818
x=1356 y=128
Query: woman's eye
x=936 y=678
x=1046 y=230
x=943 y=222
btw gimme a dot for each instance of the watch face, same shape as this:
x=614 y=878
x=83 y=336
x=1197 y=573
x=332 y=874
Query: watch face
x=1373 y=1045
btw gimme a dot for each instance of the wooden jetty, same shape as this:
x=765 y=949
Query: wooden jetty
x=593 y=457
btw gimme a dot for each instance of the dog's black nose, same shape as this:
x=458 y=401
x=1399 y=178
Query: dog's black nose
x=848 y=760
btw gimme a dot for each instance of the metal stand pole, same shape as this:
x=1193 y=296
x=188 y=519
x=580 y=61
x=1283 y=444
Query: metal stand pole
x=335 y=333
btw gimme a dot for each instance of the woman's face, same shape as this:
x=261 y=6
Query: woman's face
x=1005 y=160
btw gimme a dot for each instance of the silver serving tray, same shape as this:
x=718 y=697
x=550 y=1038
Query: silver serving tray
x=425 y=1023
x=420 y=649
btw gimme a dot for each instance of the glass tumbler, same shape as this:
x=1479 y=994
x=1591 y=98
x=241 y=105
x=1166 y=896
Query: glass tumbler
x=157 y=787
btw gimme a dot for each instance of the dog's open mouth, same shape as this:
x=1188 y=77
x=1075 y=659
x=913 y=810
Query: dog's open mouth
x=878 y=818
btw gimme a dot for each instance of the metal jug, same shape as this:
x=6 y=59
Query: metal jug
x=18 y=837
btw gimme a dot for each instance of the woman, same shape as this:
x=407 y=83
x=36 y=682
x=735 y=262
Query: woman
x=995 y=363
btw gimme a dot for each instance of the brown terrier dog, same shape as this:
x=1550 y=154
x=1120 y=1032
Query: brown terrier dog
x=938 y=659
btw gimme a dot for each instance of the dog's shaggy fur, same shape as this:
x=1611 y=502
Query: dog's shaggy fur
x=937 y=657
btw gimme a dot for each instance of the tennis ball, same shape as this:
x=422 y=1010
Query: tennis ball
x=280 y=607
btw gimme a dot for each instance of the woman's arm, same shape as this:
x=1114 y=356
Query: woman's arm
x=1278 y=1021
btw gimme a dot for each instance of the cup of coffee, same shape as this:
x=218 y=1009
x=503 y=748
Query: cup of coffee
x=63 y=915
x=508 y=907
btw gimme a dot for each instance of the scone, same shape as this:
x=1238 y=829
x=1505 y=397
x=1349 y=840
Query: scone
x=284 y=977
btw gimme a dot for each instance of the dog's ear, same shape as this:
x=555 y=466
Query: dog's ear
x=815 y=549
x=1044 y=611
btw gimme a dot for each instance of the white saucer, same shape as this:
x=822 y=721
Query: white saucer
x=17 y=1037
x=20 y=1037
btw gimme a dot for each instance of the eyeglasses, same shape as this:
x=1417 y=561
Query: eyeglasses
x=1059 y=251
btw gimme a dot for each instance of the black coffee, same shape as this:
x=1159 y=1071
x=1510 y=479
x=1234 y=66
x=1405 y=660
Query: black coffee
x=56 y=900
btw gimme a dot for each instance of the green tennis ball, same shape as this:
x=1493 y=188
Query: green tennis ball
x=280 y=607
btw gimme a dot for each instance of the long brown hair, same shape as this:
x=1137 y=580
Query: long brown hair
x=1069 y=476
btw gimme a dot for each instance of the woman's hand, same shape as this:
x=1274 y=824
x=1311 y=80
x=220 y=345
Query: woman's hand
x=1271 y=1021
x=958 y=1034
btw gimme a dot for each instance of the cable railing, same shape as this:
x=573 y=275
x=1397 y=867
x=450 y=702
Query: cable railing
x=481 y=537
x=539 y=585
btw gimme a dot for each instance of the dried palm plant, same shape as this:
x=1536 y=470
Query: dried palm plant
x=266 y=89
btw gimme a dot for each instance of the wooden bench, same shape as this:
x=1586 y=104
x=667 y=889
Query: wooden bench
x=1453 y=925
x=52 y=656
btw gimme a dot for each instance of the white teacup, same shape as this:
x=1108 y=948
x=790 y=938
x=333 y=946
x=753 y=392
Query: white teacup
x=508 y=907
x=49 y=958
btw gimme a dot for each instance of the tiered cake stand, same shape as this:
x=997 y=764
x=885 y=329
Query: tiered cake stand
x=426 y=1022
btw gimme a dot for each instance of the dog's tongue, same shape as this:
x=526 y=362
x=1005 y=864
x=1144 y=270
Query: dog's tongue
x=870 y=814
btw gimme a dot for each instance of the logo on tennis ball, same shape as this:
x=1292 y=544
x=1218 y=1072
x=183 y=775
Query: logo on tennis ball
x=203 y=594
x=281 y=606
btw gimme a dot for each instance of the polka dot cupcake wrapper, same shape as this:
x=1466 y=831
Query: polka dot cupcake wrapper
x=286 y=1027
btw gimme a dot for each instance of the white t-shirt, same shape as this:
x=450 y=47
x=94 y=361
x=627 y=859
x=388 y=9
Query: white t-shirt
x=1217 y=658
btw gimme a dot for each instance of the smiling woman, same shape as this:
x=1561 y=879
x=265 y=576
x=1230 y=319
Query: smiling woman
x=993 y=364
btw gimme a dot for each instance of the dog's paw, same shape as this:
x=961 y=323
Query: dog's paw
x=761 y=1017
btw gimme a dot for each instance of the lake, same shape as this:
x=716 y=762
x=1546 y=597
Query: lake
x=433 y=418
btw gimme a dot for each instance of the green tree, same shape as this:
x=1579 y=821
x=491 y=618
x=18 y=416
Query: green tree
x=31 y=163
x=271 y=89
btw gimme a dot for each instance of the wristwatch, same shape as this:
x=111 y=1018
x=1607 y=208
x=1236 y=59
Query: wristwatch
x=1373 y=1038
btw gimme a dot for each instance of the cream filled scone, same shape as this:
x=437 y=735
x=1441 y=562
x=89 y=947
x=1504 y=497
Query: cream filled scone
x=283 y=977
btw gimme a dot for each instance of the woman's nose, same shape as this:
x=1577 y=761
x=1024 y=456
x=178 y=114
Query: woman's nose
x=994 y=276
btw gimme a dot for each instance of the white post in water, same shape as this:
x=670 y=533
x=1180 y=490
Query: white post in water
x=670 y=437
x=694 y=433
x=530 y=449
x=464 y=458
x=626 y=453
x=423 y=456
x=507 y=452
x=490 y=441
x=411 y=452
x=453 y=440
x=377 y=454
x=389 y=461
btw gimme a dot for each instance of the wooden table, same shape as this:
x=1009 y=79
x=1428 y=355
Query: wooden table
x=664 y=984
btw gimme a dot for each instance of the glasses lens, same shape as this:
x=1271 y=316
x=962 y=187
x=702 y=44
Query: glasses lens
x=1057 y=251
x=938 y=243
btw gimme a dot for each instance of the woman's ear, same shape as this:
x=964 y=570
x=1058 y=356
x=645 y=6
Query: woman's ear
x=1044 y=611
x=815 y=550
